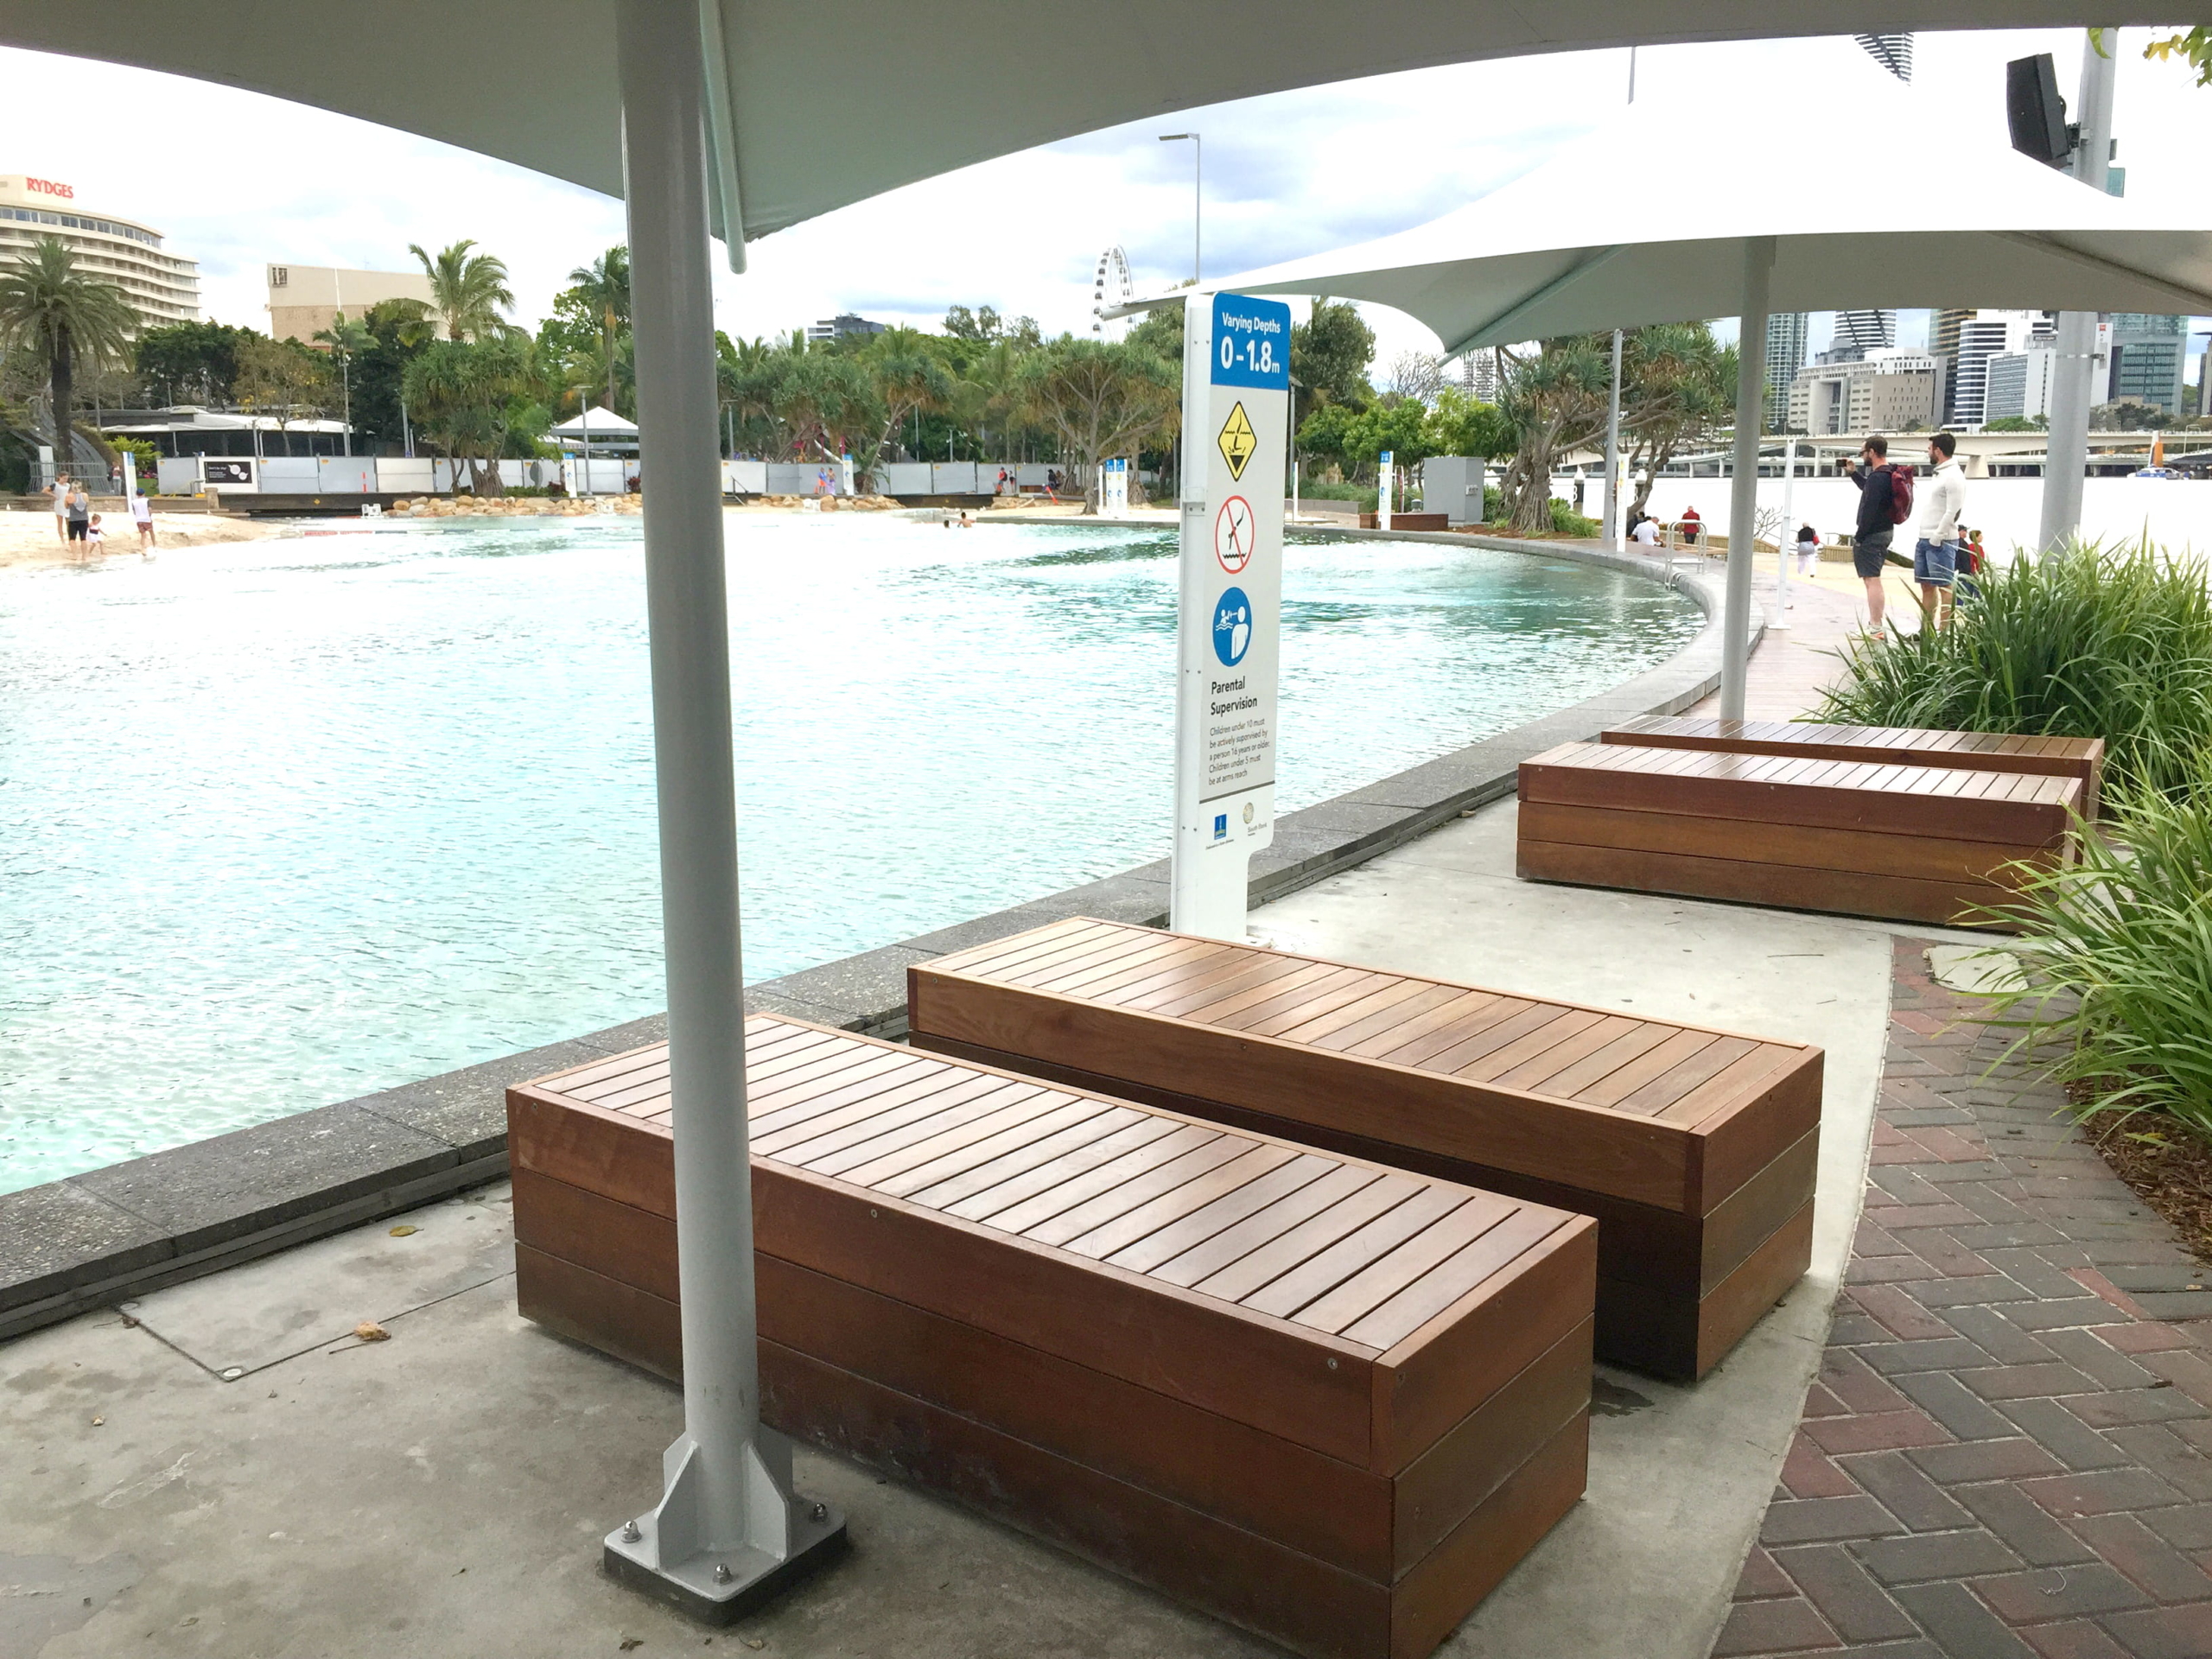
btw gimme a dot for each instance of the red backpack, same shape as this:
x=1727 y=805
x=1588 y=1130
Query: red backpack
x=1900 y=492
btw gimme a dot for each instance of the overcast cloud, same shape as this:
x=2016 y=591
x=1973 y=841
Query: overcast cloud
x=240 y=181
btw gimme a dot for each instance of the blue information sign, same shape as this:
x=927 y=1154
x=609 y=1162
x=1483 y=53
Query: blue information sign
x=1251 y=342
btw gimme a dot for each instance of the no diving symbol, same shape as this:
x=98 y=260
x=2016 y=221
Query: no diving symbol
x=1234 y=531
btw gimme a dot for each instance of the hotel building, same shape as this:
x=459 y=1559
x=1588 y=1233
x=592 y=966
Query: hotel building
x=162 y=287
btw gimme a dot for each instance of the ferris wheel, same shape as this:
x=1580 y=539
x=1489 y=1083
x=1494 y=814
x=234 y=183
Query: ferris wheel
x=1112 y=287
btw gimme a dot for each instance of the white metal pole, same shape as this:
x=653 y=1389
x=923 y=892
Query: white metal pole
x=1613 y=452
x=1744 y=492
x=727 y=1531
x=2066 y=452
x=1784 y=538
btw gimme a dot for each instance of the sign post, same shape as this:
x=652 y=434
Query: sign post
x=1389 y=480
x=1235 y=439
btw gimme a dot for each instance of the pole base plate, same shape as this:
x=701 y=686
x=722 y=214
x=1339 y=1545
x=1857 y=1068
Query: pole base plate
x=754 y=1579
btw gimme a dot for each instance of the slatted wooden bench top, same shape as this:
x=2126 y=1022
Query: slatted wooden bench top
x=1643 y=1109
x=1845 y=794
x=1364 y=1254
x=2063 y=757
x=1330 y=1400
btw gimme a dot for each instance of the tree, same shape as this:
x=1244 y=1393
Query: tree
x=68 y=322
x=602 y=291
x=1461 y=424
x=1556 y=399
x=2017 y=424
x=906 y=379
x=189 y=362
x=981 y=324
x=1418 y=375
x=1399 y=425
x=467 y=290
x=1677 y=386
x=282 y=377
x=347 y=338
x=467 y=395
x=2192 y=47
x=1100 y=398
x=1327 y=434
x=2129 y=415
x=1329 y=355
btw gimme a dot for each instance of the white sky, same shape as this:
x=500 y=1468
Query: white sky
x=254 y=180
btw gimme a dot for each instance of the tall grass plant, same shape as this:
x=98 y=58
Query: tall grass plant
x=2101 y=641
x=2116 y=994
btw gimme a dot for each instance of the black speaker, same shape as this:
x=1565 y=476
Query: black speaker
x=2035 y=111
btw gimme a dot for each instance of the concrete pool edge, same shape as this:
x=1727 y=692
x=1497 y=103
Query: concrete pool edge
x=100 y=1237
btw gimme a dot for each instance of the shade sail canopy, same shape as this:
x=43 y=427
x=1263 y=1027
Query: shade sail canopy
x=1989 y=228
x=597 y=422
x=829 y=104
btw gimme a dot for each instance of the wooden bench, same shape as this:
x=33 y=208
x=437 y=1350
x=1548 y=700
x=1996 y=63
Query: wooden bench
x=2080 y=757
x=1329 y=1401
x=1695 y=1150
x=1913 y=843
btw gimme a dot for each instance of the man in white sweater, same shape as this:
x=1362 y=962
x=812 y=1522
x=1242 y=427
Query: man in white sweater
x=1934 y=556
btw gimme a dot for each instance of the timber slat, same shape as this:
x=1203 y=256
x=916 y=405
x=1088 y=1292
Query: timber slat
x=1116 y=1326
x=1653 y=1126
x=2079 y=757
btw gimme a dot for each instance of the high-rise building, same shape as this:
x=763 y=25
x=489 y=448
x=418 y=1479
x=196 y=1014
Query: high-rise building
x=2016 y=385
x=1785 y=355
x=1888 y=390
x=2146 y=362
x=1861 y=332
x=302 y=299
x=1969 y=340
x=163 y=288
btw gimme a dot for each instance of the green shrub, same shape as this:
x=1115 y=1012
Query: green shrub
x=1493 y=505
x=2118 y=955
x=2098 y=642
x=1568 y=522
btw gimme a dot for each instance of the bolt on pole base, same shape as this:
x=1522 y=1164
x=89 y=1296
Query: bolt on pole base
x=720 y=1587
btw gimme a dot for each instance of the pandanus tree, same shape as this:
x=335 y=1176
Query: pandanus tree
x=1100 y=398
x=466 y=398
x=69 y=321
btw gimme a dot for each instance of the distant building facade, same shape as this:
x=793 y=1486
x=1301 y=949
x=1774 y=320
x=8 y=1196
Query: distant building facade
x=1969 y=340
x=163 y=286
x=2146 y=360
x=1785 y=355
x=1861 y=332
x=1888 y=390
x=838 y=326
x=302 y=299
x=2016 y=385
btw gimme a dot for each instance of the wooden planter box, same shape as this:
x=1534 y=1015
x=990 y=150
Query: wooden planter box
x=1330 y=1403
x=1695 y=1150
x=2079 y=757
x=1915 y=844
x=1407 y=521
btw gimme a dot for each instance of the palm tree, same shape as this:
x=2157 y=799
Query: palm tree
x=604 y=287
x=346 y=336
x=72 y=321
x=467 y=290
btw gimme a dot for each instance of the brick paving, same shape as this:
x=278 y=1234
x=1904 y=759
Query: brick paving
x=2005 y=1454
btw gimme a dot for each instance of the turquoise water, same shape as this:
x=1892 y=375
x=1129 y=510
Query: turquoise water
x=289 y=821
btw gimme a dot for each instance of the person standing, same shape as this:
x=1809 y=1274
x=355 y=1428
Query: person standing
x=1690 y=524
x=1869 y=544
x=142 y=514
x=81 y=517
x=62 y=507
x=1936 y=551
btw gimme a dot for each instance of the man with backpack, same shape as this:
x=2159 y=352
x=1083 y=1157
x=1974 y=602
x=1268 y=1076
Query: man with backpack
x=1885 y=502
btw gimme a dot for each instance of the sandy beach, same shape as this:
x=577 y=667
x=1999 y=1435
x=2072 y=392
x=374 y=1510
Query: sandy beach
x=27 y=539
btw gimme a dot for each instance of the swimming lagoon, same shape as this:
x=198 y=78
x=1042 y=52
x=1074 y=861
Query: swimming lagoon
x=287 y=821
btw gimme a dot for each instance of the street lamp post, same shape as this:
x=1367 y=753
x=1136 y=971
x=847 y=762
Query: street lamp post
x=1197 y=199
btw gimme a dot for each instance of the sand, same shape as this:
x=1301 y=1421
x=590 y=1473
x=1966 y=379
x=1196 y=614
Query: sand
x=27 y=539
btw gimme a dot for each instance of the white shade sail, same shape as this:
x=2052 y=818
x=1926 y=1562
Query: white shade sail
x=824 y=106
x=1985 y=226
x=597 y=422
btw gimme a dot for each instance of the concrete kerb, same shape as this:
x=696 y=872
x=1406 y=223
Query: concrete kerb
x=112 y=1234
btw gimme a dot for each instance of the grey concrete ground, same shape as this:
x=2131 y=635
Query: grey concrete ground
x=442 y=1493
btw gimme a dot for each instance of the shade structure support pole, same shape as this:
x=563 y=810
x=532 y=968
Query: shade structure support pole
x=1744 y=490
x=726 y=1532
x=1613 y=452
x=2066 y=454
